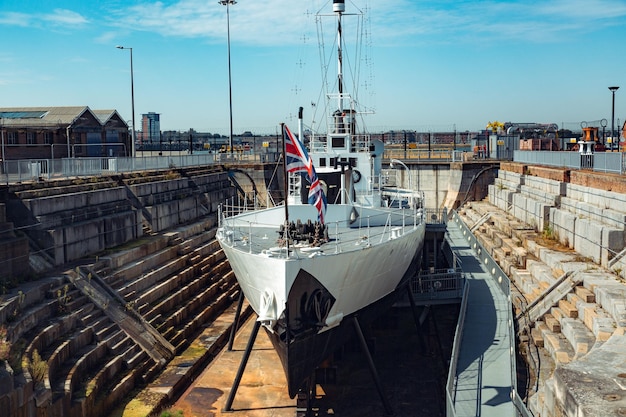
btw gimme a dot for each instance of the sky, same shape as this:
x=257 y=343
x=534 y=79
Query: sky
x=423 y=65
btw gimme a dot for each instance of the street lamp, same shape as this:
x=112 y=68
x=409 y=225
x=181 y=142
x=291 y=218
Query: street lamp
x=397 y=161
x=132 y=99
x=613 y=90
x=227 y=3
x=2 y=135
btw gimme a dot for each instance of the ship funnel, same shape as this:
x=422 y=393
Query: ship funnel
x=339 y=6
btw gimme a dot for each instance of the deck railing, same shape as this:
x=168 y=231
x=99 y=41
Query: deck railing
x=441 y=284
x=13 y=171
x=599 y=161
x=254 y=235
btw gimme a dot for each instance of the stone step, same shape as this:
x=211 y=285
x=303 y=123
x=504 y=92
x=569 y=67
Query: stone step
x=558 y=347
x=579 y=336
x=597 y=320
x=568 y=309
x=541 y=272
x=552 y=323
x=537 y=334
x=584 y=294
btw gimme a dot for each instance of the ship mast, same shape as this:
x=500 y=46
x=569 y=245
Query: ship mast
x=339 y=7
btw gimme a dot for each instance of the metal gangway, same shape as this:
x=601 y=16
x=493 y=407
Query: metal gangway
x=482 y=379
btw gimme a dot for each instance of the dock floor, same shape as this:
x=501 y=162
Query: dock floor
x=413 y=380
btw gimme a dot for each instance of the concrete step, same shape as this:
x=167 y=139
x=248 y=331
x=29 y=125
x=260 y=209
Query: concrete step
x=569 y=309
x=552 y=323
x=558 y=346
x=585 y=295
x=579 y=336
x=541 y=272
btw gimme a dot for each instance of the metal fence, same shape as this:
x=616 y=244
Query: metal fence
x=13 y=171
x=443 y=284
x=435 y=155
x=600 y=161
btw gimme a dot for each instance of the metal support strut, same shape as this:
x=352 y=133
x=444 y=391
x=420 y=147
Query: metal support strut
x=235 y=325
x=242 y=367
x=370 y=361
x=416 y=319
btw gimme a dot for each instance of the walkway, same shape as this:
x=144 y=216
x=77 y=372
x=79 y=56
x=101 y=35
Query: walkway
x=483 y=375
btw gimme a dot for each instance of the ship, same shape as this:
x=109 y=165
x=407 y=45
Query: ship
x=338 y=250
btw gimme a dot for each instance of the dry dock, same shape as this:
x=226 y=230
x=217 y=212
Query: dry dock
x=412 y=374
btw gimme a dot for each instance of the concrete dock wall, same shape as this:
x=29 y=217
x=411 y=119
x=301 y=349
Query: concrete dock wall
x=589 y=220
x=106 y=212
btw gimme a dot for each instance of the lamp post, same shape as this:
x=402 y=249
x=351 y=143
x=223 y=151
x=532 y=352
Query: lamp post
x=132 y=99
x=227 y=3
x=2 y=135
x=397 y=161
x=613 y=90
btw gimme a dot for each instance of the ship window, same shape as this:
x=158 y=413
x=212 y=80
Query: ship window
x=353 y=162
x=322 y=162
x=339 y=142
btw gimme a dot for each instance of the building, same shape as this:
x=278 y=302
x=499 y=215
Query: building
x=61 y=132
x=151 y=128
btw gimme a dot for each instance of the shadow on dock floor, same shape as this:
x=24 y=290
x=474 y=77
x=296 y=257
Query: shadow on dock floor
x=412 y=380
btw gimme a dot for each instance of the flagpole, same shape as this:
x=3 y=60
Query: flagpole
x=286 y=185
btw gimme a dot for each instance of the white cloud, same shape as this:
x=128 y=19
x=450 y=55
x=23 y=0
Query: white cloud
x=57 y=18
x=269 y=22
x=65 y=18
x=15 y=19
x=531 y=21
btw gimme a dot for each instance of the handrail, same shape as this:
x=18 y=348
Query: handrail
x=242 y=233
x=504 y=284
x=456 y=347
x=12 y=171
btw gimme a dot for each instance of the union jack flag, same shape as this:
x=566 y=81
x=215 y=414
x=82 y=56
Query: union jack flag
x=318 y=198
x=298 y=160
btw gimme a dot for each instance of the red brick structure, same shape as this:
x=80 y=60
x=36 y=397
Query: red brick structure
x=61 y=132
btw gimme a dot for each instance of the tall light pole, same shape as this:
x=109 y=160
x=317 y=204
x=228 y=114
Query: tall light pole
x=2 y=135
x=132 y=99
x=227 y=3
x=397 y=161
x=613 y=90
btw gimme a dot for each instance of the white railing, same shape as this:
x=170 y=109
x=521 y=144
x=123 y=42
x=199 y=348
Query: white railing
x=13 y=171
x=503 y=283
x=257 y=237
x=599 y=161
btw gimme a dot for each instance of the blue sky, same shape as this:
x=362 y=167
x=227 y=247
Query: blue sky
x=426 y=64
